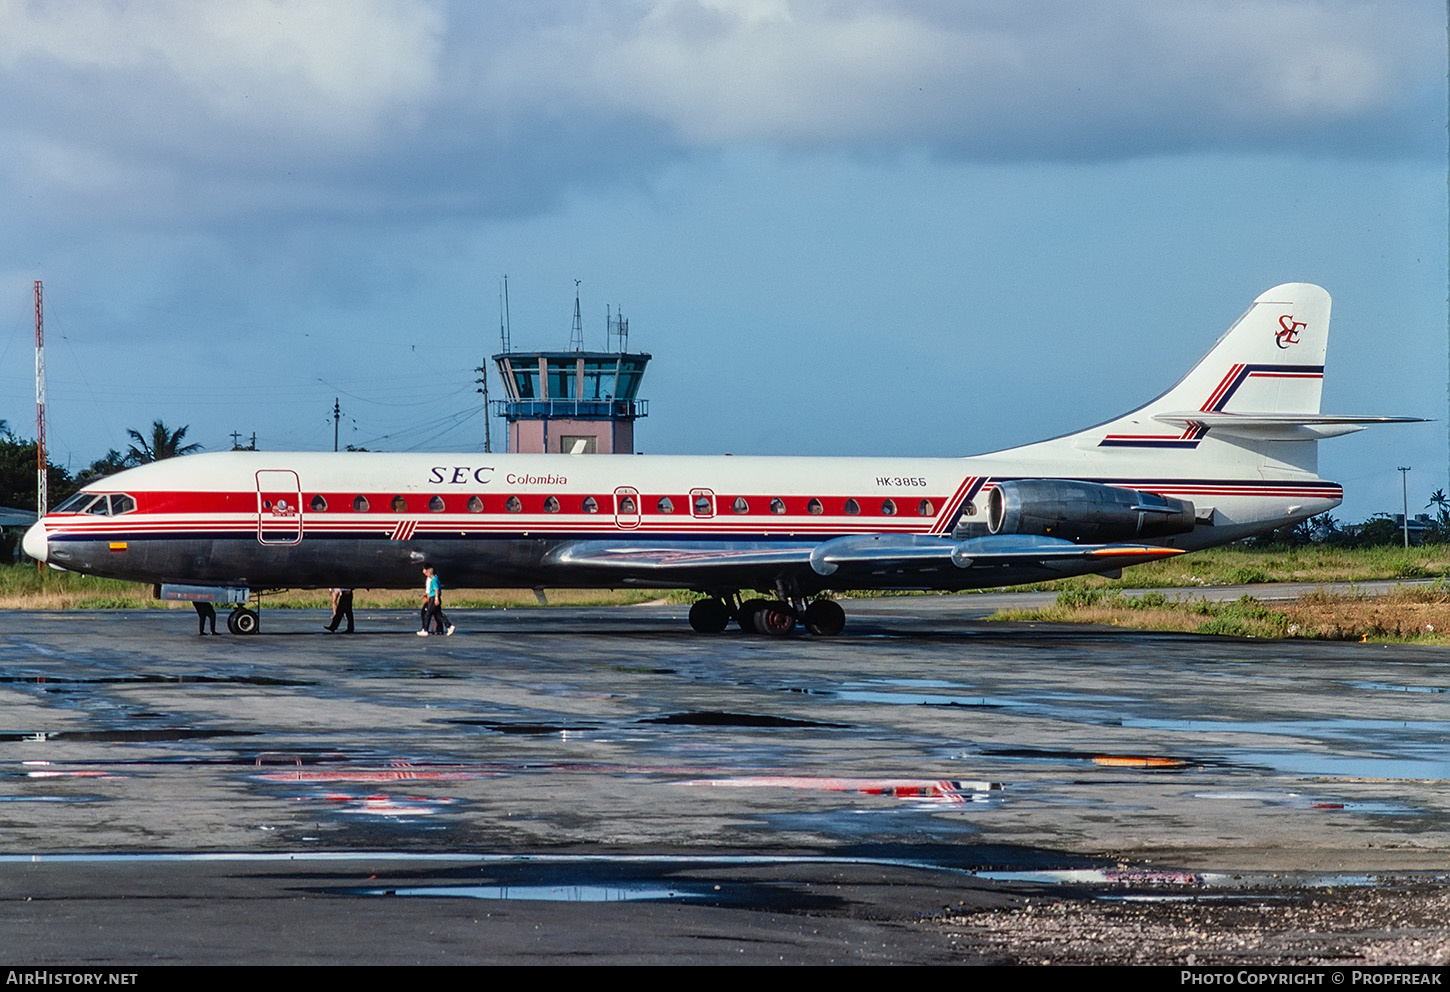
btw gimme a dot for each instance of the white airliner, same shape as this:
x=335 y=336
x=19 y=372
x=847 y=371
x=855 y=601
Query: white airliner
x=1228 y=452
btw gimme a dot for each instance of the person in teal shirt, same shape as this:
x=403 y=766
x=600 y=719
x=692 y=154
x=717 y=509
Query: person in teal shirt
x=433 y=603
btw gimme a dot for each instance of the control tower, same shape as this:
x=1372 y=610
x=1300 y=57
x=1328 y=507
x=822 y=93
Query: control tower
x=577 y=401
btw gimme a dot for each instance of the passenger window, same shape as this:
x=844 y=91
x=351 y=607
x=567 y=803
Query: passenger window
x=814 y=506
x=359 y=504
x=702 y=506
x=925 y=509
x=852 y=507
x=888 y=507
x=626 y=505
x=591 y=505
x=475 y=505
x=513 y=505
x=740 y=506
x=435 y=504
x=400 y=505
x=122 y=504
x=318 y=504
x=551 y=505
x=777 y=505
x=665 y=505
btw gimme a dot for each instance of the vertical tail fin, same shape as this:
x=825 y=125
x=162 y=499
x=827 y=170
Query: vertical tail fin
x=1271 y=361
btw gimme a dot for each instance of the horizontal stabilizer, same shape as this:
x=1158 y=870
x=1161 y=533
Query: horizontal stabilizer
x=1279 y=426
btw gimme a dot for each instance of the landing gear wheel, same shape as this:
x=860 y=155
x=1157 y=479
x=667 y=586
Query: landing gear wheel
x=825 y=618
x=709 y=616
x=775 y=619
x=746 y=617
x=243 y=622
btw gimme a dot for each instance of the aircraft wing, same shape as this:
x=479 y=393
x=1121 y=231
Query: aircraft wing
x=858 y=555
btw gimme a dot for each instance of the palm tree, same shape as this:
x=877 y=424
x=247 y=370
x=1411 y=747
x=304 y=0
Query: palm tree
x=163 y=443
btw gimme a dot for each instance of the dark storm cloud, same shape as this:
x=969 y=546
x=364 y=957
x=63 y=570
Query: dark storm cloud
x=171 y=113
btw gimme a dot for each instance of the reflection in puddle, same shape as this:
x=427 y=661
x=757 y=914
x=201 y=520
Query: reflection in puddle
x=939 y=789
x=554 y=893
x=1392 y=687
x=1348 y=767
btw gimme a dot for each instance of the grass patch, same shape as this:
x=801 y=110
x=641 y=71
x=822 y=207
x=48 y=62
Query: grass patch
x=1241 y=565
x=1418 y=615
x=22 y=587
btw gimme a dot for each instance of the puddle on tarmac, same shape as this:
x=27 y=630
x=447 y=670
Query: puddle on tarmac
x=1333 y=729
x=1392 y=687
x=1333 y=766
x=153 y=735
x=526 y=729
x=637 y=892
x=64 y=682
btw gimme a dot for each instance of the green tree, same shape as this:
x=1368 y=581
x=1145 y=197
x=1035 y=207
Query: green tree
x=112 y=462
x=163 y=443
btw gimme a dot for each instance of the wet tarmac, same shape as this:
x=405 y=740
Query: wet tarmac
x=606 y=786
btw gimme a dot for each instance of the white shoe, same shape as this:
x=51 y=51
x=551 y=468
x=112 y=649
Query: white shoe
x=451 y=629
x=422 y=633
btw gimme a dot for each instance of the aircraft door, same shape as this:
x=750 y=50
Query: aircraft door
x=626 y=507
x=279 y=507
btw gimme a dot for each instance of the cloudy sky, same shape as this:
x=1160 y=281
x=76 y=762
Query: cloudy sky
x=853 y=227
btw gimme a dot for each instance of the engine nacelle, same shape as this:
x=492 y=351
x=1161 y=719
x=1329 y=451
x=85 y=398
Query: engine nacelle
x=1084 y=511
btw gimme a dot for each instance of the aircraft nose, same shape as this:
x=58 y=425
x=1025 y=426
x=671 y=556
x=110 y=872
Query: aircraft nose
x=35 y=544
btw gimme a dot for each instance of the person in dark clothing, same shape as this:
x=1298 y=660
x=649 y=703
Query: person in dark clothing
x=341 y=608
x=204 y=612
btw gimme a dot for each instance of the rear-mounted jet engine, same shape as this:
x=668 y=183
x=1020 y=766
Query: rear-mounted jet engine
x=1084 y=511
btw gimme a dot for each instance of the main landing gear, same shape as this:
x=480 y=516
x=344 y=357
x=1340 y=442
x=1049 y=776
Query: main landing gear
x=775 y=617
x=243 y=621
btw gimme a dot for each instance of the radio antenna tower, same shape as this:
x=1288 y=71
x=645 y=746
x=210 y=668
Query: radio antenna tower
x=42 y=494
x=576 y=333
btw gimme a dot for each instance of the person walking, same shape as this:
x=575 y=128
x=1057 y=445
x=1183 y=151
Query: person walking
x=341 y=608
x=433 y=603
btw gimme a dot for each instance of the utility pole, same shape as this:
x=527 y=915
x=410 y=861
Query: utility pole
x=1405 y=496
x=42 y=490
x=336 y=419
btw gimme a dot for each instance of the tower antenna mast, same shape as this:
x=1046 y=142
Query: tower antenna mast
x=42 y=493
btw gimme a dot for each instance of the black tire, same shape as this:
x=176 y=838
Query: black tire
x=243 y=622
x=709 y=616
x=775 y=619
x=746 y=617
x=825 y=618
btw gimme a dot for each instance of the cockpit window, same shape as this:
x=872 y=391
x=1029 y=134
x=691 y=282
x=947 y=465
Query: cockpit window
x=100 y=504
x=75 y=503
